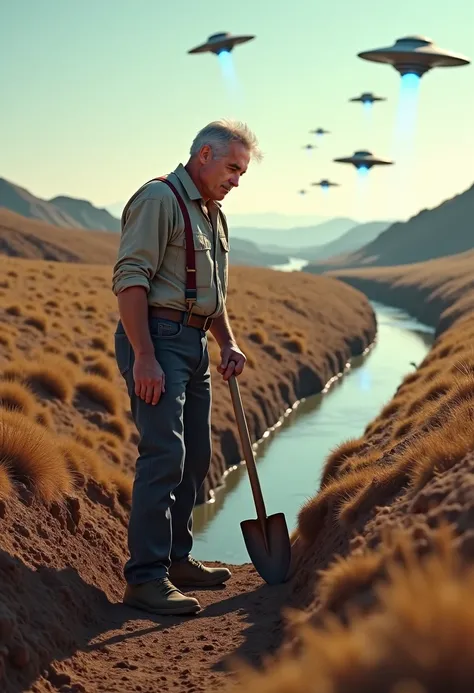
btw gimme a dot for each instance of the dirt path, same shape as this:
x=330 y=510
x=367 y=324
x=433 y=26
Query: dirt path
x=128 y=651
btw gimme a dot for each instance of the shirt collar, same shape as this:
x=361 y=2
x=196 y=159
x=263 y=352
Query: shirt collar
x=189 y=185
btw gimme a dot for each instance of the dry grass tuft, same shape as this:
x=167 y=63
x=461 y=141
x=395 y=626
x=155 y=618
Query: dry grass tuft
x=440 y=448
x=6 y=485
x=14 y=309
x=6 y=340
x=296 y=345
x=339 y=456
x=49 y=374
x=101 y=367
x=38 y=321
x=100 y=392
x=16 y=396
x=327 y=502
x=348 y=577
x=33 y=457
x=258 y=336
x=99 y=343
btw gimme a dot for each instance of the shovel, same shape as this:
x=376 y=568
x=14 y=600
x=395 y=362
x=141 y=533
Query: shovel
x=266 y=538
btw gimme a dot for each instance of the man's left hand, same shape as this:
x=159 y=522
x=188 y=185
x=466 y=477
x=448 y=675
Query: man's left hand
x=232 y=361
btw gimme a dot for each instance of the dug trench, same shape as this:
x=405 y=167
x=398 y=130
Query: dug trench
x=67 y=452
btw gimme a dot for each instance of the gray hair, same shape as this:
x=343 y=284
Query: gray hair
x=221 y=133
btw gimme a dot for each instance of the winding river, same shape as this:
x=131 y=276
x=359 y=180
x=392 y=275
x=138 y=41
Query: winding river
x=291 y=458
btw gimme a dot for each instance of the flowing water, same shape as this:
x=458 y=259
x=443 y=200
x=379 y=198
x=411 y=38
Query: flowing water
x=290 y=460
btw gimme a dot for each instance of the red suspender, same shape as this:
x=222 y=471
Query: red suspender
x=191 y=290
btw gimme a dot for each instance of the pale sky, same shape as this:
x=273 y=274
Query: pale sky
x=98 y=96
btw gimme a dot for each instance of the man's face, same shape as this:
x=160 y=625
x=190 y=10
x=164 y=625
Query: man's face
x=218 y=176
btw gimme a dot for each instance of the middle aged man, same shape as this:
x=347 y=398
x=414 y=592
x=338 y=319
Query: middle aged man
x=170 y=279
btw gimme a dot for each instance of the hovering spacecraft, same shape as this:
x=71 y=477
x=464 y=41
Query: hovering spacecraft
x=309 y=146
x=367 y=97
x=325 y=184
x=320 y=131
x=302 y=192
x=414 y=55
x=363 y=160
x=222 y=42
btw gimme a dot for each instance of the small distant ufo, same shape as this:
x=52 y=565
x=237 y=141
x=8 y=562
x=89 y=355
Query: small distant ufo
x=414 y=55
x=325 y=183
x=368 y=97
x=220 y=43
x=363 y=159
x=302 y=192
x=309 y=146
x=320 y=131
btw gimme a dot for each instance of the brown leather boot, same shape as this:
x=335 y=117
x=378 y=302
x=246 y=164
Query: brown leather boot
x=191 y=572
x=160 y=597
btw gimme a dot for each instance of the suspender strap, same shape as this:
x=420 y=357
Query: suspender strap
x=190 y=290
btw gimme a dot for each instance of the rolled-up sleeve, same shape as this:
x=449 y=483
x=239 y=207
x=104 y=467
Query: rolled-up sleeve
x=143 y=242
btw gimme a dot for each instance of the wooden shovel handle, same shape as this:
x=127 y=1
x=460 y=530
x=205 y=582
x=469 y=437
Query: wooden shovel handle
x=247 y=448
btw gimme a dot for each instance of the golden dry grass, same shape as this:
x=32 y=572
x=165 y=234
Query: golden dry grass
x=57 y=362
x=417 y=640
x=395 y=620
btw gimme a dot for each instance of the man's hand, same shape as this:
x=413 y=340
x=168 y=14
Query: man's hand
x=232 y=361
x=149 y=378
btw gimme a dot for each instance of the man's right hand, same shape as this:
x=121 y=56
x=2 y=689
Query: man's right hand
x=149 y=378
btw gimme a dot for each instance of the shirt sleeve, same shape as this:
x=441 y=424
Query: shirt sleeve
x=144 y=237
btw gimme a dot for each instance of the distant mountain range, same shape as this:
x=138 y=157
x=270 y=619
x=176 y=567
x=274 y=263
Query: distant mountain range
x=353 y=239
x=251 y=246
x=59 y=211
x=432 y=233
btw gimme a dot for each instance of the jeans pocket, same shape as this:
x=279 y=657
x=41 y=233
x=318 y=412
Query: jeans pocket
x=123 y=353
x=161 y=328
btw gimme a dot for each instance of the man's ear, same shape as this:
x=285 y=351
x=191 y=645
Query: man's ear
x=205 y=155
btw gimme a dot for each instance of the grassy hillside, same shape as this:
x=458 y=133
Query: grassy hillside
x=381 y=593
x=432 y=233
x=62 y=317
x=29 y=238
x=67 y=448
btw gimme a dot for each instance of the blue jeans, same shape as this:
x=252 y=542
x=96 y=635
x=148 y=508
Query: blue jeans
x=174 y=448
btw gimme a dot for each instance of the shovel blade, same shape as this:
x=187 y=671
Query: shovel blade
x=273 y=563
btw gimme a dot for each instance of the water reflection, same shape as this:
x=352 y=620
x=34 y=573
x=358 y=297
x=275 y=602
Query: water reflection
x=290 y=461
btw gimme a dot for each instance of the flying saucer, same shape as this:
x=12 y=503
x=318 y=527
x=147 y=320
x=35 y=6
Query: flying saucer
x=363 y=159
x=324 y=183
x=368 y=97
x=220 y=42
x=320 y=131
x=302 y=192
x=414 y=55
x=309 y=146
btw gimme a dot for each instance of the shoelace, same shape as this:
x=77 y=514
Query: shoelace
x=196 y=563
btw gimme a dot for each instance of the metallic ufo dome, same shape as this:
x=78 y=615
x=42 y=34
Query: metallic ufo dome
x=222 y=41
x=362 y=157
x=414 y=54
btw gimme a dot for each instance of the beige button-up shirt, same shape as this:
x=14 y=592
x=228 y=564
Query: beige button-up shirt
x=152 y=251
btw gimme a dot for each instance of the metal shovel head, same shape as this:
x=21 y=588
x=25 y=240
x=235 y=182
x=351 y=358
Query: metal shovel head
x=271 y=564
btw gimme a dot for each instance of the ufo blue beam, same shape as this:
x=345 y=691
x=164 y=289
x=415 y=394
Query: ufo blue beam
x=221 y=42
x=414 y=55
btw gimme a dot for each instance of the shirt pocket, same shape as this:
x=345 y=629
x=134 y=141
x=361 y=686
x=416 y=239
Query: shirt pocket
x=203 y=260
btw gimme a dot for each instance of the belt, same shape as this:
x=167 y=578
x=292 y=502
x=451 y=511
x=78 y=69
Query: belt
x=200 y=321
